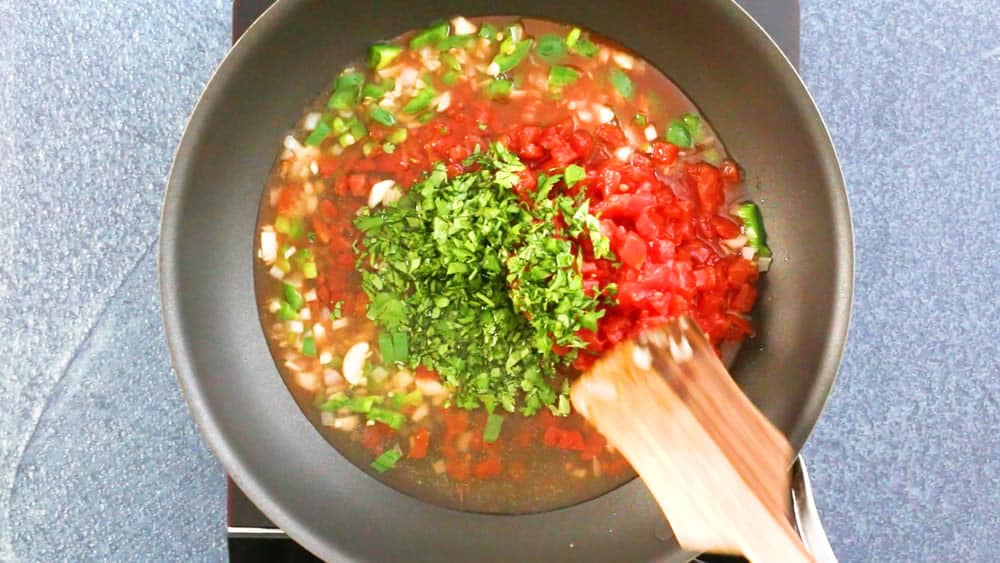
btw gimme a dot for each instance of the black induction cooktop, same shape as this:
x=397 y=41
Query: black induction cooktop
x=252 y=537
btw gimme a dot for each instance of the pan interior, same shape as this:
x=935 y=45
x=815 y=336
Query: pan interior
x=756 y=103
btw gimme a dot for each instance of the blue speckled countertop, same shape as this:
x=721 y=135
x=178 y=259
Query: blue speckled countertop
x=100 y=460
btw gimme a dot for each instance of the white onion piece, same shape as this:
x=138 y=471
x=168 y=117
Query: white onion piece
x=325 y=356
x=379 y=189
x=650 y=133
x=736 y=243
x=311 y=121
x=462 y=26
x=305 y=314
x=623 y=153
x=338 y=324
x=310 y=295
x=327 y=418
x=292 y=144
x=763 y=263
x=296 y=326
x=443 y=101
x=307 y=380
x=748 y=252
x=276 y=272
x=624 y=61
x=346 y=423
x=354 y=363
x=269 y=246
x=605 y=114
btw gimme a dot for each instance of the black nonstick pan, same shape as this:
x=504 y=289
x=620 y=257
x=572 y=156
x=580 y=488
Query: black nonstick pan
x=711 y=48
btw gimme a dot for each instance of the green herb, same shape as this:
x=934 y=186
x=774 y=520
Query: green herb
x=293 y=297
x=390 y=418
x=382 y=115
x=499 y=88
x=480 y=282
x=573 y=174
x=309 y=346
x=381 y=55
x=560 y=76
x=551 y=48
x=387 y=460
x=337 y=311
x=622 y=83
x=507 y=61
x=431 y=35
x=420 y=101
x=678 y=134
x=394 y=347
x=491 y=432
x=640 y=119
x=753 y=227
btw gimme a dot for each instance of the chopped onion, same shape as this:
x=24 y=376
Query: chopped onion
x=327 y=418
x=305 y=314
x=393 y=195
x=296 y=326
x=325 y=356
x=493 y=69
x=763 y=263
x=290 y=251
x=439 y=466
x=443 y=101
x=354 y=363
x=319 y=332
x=585 y=116
x=748 y=252
x=332 y=377
x=268 y=246
x=310 y=295
x=431 y=387
x=276 y=272
x=605 y=114
x=623 y=153
x=311 y=121
x=346 y=423
x=379 y=189
x=624 y=61
x=338 y=324
x=420 y=412
x=273 y=305
x=308 y=380
x=650 y=133
x=314 y=167
x=292 y=144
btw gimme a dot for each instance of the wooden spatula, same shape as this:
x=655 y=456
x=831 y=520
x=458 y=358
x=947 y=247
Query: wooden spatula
x=717 y=467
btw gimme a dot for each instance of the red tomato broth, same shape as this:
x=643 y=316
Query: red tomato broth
x=664 y=210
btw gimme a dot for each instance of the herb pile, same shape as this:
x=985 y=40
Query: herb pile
x=468 y=279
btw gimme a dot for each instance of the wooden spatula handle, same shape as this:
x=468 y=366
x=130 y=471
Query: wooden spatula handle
x=716 y=466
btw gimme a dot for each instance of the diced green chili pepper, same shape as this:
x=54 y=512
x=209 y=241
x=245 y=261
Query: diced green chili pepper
x=372 y=91
x=388 y=148
x=712 y=157
x=342 y=99
x=678 y=134
x=390 y=418
x=386 y=460
x=294 y=228
x=622 y=83
x=319 y=134
x=358 y=129
x=507 y=62
x=753 y=227
x=431 y=35
x=455 y=42
x=640 y=119
x=397 y=136
x=560 y=76
x=383 y=116
x=585 y=48
x=573 y=36
x=450 y=61
x=413 y=398
x=346 y=140
x=420 y=101
x=293 y=297
x=368 y=148
x=309 y=270
x=335 y=403
x=427 y=116
x=337 y=311
x=499 y=88
x=287 y=312
x=487 y=31
x=693 y=124
x=494 y=423
x=449 y=78
x=363 y=404
x=381 y=55
x=340 y=126
x=551 y=48
x=309 y=346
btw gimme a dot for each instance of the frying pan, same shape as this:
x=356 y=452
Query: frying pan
x=722 y=60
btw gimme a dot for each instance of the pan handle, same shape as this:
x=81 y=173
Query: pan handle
x=807 y=517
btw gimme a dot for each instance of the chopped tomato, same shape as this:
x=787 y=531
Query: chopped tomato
x=633 y=251
x=419 y=441
x=488 y=468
